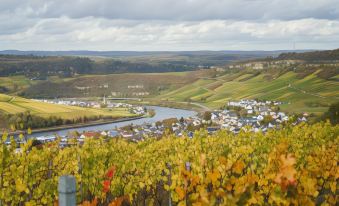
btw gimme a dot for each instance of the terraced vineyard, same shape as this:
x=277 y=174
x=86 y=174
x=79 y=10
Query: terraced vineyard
x=310 y=94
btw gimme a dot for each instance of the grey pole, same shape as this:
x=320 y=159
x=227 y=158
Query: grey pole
x=188 y=166
x=67 y=191
x=169 y=184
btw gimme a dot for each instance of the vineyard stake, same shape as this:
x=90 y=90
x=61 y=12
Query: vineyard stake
x=67 y=191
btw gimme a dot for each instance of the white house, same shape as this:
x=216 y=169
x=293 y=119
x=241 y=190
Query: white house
x=249 y=107
x=260 y=118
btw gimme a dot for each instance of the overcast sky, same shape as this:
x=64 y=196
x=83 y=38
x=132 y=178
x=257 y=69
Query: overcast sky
x=168 y=24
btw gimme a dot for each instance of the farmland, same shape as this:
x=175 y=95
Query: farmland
x=14 y=105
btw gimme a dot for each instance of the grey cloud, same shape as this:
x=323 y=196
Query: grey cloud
x=187 y=10
x=102 y=34
x=168 y=24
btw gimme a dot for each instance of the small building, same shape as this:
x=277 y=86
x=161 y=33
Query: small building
x=212 y=129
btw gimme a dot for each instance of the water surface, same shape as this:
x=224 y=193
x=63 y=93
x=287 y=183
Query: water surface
x=161 y=113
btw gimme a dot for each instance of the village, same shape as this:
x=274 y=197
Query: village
x=138 y=110
x=247 y=115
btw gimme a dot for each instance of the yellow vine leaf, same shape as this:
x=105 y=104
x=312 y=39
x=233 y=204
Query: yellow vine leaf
x=29 y=131
x=287 y=169
x=20 y=186
x=238 y=167
x=214 y=176
x=180 y=192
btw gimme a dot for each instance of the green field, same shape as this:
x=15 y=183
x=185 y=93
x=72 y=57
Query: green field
x=309 y=94
x=13 y=105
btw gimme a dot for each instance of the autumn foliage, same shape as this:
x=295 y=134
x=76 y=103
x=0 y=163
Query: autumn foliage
x=292 y=166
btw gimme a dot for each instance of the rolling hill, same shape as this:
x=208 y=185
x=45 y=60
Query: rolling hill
x=302 y=92
x=308 y=94
x=115 y=85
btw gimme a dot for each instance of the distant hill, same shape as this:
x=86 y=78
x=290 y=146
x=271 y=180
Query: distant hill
x=40 y=64
x=34 y=66
x=146 y=53
x=328 y=55
x=41 y=67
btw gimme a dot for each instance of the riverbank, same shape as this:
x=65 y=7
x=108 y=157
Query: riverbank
x=74 y=126
x=161 y=113
x=193 y=106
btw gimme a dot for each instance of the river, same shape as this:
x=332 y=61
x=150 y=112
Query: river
x=161 y=113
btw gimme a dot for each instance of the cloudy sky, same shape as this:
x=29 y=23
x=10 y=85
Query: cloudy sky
x=168 y=24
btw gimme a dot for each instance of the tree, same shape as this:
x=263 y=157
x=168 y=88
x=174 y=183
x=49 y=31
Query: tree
x=207 y=116
x=182 y=120
x=168 y=122
x=267 y=119
x=332 y=114
x=243 y=112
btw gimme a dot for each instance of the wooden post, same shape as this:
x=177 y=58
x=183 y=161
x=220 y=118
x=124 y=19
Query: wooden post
x=67 y=191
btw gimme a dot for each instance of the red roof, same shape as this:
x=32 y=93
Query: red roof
x=91 y=134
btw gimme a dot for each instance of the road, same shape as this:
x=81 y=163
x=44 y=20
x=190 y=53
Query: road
x=198 y=104
x=305 y=92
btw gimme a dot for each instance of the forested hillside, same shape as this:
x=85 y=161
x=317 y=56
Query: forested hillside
x=328 y=55
x=40 y=68
x=40 y=65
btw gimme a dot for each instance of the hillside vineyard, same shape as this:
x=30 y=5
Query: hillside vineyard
x=295 y=165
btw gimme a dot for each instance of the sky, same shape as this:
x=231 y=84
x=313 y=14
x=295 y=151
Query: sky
x=168 y=25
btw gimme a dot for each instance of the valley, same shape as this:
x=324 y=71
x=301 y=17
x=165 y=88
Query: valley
x=207 y=87
x=303 y=82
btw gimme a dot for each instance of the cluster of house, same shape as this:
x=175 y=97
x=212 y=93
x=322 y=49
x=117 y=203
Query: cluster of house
x=79 y=103
x=139 y=110
x=254 y=106
x=258 y=65
x=258 y=116
x=138 y=132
